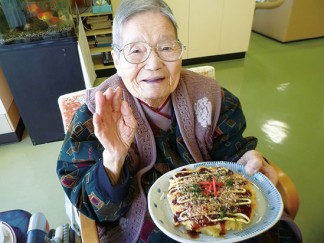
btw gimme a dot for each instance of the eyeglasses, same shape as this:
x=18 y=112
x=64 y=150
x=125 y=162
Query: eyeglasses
x=138 y=52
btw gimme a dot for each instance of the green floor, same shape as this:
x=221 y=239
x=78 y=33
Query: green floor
x=281 y=87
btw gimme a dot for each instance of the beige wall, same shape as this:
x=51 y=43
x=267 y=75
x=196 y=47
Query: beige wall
x=213 y=27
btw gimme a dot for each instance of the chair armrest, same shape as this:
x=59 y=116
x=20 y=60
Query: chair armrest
x=288 y=191
x=89 y=232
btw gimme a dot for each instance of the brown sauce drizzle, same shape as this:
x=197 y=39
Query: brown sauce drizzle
x=193 y=234
x=203 y=221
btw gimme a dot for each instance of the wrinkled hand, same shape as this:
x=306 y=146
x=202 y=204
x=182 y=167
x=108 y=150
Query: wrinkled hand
x=254 y=162
x=115 y=127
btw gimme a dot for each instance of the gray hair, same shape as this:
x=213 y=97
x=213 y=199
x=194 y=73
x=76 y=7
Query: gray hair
x=128 y=8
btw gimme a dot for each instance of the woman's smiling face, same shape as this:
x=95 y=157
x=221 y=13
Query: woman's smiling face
x=153 y=80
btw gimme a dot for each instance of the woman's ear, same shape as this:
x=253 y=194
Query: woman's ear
x=115 y=59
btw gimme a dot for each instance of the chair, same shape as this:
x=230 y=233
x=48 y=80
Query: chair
x=69 y=103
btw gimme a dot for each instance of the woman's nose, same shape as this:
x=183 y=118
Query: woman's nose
x=154 y=61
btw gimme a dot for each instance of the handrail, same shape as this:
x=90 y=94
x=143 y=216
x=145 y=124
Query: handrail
x=268 y=4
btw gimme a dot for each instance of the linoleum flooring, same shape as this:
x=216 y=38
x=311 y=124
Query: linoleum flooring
x=281 y=88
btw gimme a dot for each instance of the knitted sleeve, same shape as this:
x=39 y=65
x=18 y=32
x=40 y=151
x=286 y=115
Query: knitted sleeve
x=228 y=141
x=83 y=177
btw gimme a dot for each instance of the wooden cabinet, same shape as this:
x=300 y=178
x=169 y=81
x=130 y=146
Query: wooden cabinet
x=213 y=27
x=11 y=125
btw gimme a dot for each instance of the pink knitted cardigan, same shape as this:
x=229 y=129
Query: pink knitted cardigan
x=196 y=103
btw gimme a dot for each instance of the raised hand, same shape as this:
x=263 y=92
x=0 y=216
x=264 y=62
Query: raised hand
x=115 y=128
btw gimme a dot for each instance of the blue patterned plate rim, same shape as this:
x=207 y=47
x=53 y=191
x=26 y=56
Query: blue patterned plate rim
x=268 y=212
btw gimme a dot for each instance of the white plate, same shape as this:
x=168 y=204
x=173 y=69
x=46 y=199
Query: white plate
x=268 y=211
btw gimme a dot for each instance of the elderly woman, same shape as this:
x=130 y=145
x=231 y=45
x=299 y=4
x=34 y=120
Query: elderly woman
x=149 y=118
